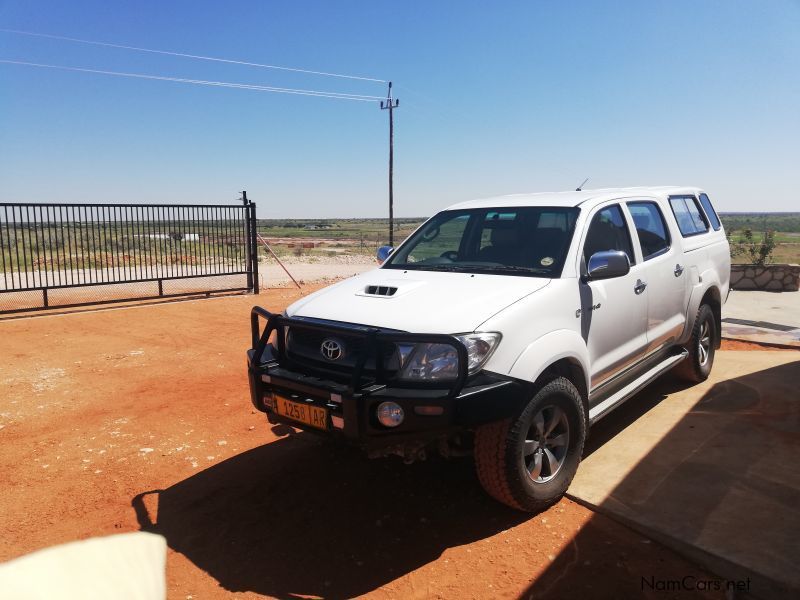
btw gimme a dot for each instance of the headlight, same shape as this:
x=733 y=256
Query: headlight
x=440 y=361
x=431 y=362
x=479 y=348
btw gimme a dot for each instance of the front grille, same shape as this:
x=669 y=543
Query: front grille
x=304 y=346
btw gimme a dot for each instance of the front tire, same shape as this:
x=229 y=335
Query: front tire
x=527 y=462
x=696 y=367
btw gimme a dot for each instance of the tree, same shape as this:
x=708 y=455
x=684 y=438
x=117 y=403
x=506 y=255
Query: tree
x=759 y=251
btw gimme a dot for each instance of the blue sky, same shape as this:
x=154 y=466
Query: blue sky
x=495 y=98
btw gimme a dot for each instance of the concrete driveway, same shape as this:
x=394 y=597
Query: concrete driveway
x=765 y=317
x=711 y=470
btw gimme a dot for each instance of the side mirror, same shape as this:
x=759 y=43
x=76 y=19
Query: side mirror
x=383 y=253
x=607 y=264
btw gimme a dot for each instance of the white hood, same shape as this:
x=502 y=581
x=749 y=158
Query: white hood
x=423 y=301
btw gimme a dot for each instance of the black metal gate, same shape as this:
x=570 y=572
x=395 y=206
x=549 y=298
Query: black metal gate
x=72 y=254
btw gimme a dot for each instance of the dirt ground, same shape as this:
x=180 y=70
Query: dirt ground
x=138 y=417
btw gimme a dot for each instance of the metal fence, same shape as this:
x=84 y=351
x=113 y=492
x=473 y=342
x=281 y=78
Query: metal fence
x=70 y=254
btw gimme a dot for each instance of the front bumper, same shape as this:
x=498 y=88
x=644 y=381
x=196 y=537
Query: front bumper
x=350 y=408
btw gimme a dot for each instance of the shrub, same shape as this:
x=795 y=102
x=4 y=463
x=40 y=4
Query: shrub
x=759 y=251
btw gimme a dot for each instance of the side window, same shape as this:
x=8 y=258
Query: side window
x=651 y=228
x=608 y=231
x=687 y=213
x=710 y=212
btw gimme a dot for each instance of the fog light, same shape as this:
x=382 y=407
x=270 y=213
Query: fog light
x=390 y=414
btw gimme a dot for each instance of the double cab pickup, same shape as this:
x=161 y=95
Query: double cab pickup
x=503 y=327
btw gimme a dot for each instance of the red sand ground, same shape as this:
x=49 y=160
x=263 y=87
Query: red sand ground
x=138 y=417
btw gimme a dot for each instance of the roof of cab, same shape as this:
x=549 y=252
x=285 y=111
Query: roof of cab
x=575 y=198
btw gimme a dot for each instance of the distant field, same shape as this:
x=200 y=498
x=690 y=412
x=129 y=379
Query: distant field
x=372 y=229
x=353 y=236
x=364 y=236
x=785 y=225
x=788 y=222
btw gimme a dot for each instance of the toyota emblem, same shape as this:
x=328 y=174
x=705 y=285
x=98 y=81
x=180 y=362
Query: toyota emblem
x=331 y=349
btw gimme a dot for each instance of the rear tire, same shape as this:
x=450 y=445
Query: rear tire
x=527 y=462
x=696 y=367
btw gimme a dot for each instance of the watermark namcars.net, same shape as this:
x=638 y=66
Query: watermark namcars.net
x=690 y=583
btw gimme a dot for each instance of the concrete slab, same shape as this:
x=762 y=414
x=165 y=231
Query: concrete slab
x=773 y=307
x=761 y=335
x=711 y=470
x=765 y=317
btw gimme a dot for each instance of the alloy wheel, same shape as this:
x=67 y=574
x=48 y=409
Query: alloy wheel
x=704 y=344
x=546 y=444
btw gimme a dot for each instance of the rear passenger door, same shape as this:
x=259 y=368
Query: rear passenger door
x=663 y=271
x=613 y=311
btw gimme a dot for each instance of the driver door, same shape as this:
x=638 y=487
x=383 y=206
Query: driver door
x=613 y=311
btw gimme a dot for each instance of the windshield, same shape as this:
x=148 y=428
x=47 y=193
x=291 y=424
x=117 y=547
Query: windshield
x=516 y=241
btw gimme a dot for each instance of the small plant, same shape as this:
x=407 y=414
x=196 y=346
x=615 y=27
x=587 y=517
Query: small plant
x=759 y=251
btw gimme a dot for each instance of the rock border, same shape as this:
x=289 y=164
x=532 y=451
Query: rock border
x=773 y=278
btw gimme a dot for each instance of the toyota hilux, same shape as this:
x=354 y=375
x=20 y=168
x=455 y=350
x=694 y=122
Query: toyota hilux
x=503 y=327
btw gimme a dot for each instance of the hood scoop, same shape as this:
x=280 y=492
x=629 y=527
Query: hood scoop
x=390 y=288
x=380 y=290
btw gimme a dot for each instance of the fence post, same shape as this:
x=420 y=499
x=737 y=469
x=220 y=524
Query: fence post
x=250 y=245
x=254 y=246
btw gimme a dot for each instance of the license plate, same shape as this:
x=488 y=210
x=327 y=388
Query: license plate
x=313 y=416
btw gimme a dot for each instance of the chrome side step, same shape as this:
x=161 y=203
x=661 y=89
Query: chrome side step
x=613 y=401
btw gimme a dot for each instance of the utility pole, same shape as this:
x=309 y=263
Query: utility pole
x=391 y=104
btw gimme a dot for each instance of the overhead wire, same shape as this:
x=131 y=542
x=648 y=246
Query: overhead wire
x=192 y=56
x=226 y=84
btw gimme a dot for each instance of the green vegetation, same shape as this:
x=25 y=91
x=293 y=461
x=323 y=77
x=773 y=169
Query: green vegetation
x=788 y=222
x=756 y=251
x=762 y=238
x=94 y=246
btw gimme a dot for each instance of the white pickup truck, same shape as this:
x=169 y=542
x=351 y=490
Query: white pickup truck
x=503 y=327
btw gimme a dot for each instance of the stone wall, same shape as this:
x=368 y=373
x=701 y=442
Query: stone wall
x=777 y=278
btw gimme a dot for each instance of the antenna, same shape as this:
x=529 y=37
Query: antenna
x=578 y=189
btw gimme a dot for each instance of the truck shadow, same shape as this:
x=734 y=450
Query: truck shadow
x=298 y=517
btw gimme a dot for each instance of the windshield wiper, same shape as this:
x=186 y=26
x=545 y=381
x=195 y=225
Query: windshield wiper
x=516 y=269
x=435 y=267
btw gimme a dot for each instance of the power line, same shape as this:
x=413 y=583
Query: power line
x=226 y=84
x=183 y=55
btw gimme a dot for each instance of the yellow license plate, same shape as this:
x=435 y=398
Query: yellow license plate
x=313 y=416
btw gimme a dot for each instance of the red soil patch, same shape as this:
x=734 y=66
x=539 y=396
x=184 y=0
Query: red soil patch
x=752 y=346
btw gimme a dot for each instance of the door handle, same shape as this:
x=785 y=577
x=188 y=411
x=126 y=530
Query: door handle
x=639 y=287
x=678 y=270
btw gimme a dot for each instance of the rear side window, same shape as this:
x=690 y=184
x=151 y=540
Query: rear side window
x=650 y=227
x=710 y=212
x=687 y=213
x=608 y=231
